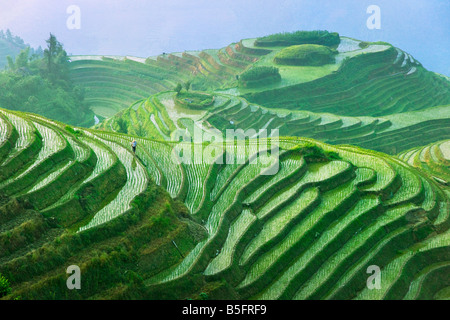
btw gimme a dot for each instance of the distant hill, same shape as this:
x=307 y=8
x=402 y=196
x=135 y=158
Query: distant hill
x=11 y=45
x=364 y=79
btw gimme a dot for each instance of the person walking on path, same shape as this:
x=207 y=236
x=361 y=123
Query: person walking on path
x=133 y=145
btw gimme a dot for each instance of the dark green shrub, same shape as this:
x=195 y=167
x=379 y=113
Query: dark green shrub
x=257 y=73
x=194 y=100
x=364 y=44
x=313 y=153
x=259 y=76
x=178 y=88
x=161 y=222
x=187 y=85
x=73 y=131
x=305 y=55
x=123 y=125
x=5 y=287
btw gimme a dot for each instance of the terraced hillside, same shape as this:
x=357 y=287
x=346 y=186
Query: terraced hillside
x=390 y=134
x=289 y=218
x=433 y=159
x=72 y=197
x=114 y=83
x=159 y=116
x=375 y=81
x=366 y=79
x=374 y=96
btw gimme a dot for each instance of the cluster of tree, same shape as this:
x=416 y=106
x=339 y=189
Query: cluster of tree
x=8 y=36
x=186 y=86
x=42 y=85
x=256 y=73
x=313 y=153
x=305 y=55
x=258 y=76
x=321 y=37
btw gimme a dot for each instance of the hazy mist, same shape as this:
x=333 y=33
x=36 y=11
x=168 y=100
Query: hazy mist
x=146 y=28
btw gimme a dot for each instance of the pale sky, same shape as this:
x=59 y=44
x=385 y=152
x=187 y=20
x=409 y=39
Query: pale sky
x=146 y=28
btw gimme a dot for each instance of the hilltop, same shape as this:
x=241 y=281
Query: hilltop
x=364 y=79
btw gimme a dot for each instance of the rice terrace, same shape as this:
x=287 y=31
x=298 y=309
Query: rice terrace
x=279 y=167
